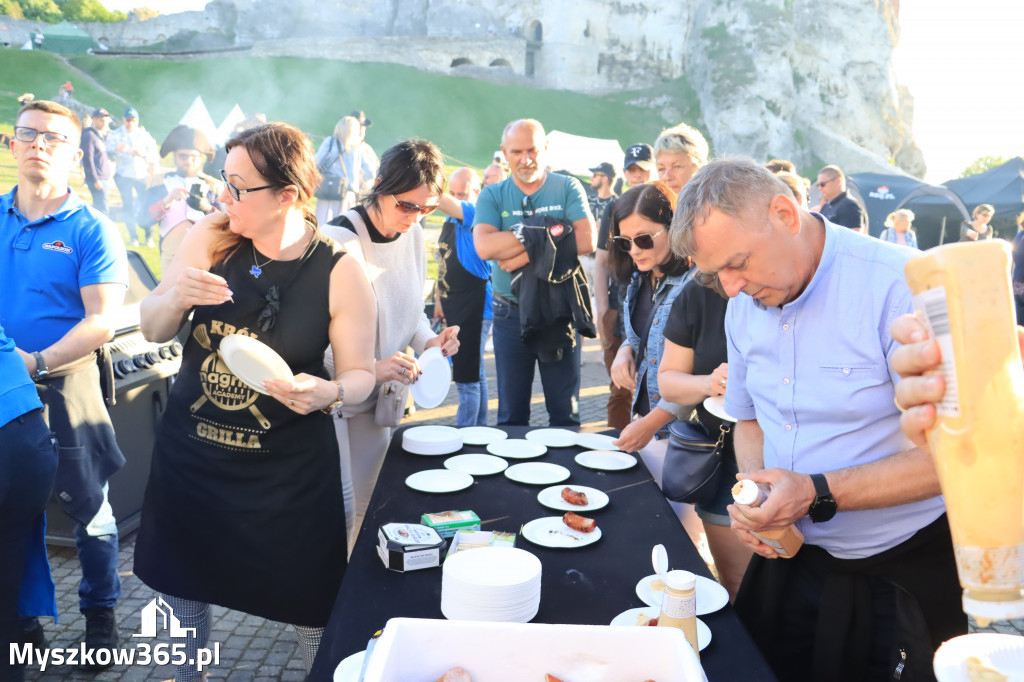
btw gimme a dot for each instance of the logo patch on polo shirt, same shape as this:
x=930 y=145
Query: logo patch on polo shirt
x=58 y=246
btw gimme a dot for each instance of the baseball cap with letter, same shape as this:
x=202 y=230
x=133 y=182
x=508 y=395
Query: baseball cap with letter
x=639 y=155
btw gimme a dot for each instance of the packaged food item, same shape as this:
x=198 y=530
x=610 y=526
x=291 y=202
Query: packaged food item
x=409 y=546
x=786 y=542
x=471 y=539
x=448 y=523
x=963 y=292
x=679 y=605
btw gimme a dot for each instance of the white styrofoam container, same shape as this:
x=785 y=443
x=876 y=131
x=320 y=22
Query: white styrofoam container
x=420 y=649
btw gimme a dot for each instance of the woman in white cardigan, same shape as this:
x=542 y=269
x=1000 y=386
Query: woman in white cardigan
x=385 y=230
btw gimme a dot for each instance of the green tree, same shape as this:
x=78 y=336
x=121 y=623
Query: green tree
x=982 y=164
x=11 y=8
x=88 y=10
x=41 y=10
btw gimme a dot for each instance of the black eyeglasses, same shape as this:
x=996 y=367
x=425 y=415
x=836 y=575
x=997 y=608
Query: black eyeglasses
x=409 y=207
x=237 y=193
x=643 y=241
x=29 y=135
x=821 y=184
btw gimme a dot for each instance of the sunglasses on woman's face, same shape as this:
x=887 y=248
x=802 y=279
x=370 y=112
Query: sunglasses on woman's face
x=643 y=241
x=409 y=207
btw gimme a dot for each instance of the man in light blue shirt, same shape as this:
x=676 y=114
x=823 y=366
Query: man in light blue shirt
x=811 y=386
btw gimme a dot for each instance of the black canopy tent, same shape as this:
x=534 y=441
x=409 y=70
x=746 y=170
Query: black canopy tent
x=938 y=211
x=1003 y=187
x=880 y=194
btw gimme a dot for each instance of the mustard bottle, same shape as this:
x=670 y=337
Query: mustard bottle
x=963 y=293
x=679 y=605
x=786 y=542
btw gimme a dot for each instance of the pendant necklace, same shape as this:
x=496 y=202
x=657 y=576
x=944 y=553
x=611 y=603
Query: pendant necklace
x=256 y=270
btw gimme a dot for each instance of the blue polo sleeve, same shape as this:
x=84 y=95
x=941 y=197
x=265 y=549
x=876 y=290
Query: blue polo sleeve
x=104 y=259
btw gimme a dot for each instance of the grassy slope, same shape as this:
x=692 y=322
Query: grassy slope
x=463 y=116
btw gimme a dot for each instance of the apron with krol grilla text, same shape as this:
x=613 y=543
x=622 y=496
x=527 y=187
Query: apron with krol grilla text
x=244 y=507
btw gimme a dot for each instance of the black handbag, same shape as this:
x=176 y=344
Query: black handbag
x=693 y=463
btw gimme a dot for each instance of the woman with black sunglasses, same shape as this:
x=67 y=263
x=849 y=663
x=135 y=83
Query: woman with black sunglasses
x=641 y=257
x=386 y=233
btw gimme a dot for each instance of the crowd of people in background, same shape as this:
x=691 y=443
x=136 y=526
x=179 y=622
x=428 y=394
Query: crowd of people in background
x=702 y=279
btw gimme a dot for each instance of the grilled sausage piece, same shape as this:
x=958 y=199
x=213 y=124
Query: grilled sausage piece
x=574 y=497
x=580 y=523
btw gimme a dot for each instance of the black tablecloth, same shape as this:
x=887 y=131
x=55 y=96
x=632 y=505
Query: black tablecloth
x=586 y=585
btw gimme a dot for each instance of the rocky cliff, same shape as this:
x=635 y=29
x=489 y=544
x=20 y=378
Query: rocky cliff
x=810 y=81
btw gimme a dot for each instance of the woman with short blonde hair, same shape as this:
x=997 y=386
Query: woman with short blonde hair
x=899 y=228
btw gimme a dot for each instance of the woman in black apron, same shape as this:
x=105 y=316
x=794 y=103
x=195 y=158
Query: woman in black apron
x=243 y=507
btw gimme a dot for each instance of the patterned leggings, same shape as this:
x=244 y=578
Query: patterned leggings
x=195 y=614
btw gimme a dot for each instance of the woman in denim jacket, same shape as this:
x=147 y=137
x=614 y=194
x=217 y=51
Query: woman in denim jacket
x=642 y=257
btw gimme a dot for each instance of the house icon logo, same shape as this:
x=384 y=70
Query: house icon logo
x=158 y=610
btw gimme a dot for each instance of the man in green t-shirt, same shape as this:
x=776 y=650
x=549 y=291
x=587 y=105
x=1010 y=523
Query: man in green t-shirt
x=532 y=190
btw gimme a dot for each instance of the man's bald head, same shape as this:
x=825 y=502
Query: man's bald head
x=494 y=174
x=522 y=143
x=527 y=126
x=464 y=184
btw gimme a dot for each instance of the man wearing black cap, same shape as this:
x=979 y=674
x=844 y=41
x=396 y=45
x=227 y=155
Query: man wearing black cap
x=95 y=163
x=179 y=199
x=601 y=178
x=636 y=167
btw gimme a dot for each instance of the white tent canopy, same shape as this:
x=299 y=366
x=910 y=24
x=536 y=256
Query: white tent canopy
x=199 y=118
x=578 y=154
x=227 y=126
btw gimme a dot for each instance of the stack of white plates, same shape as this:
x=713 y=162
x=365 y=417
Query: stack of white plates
x=500 y=584
x=432 y=440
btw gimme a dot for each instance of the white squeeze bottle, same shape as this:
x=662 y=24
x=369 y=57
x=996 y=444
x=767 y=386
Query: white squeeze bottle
x=679 y=605
x=786 y=542
x=963 y=291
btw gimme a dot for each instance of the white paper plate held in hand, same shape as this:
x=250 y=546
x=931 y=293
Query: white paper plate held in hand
x=715 y=404
x=252 y=361
x=431 y=388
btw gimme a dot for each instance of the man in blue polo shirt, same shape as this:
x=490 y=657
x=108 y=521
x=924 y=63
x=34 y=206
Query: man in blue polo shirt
x=874 y=590
x=463 y=297
x=64 y=271
x=529 y=190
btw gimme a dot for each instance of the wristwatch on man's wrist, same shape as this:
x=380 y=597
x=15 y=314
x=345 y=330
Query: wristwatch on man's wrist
x=824 y=507
x=41 y=369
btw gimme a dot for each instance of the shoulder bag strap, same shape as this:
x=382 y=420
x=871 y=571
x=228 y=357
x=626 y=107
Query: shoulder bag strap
x=366 y=259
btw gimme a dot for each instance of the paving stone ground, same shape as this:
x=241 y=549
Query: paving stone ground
x=257 y=650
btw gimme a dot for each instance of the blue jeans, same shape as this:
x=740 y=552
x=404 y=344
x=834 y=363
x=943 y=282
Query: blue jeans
x=473 y=396
x=101 y=196
x=97 y=546
x=133 y=191
x=515 y=364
